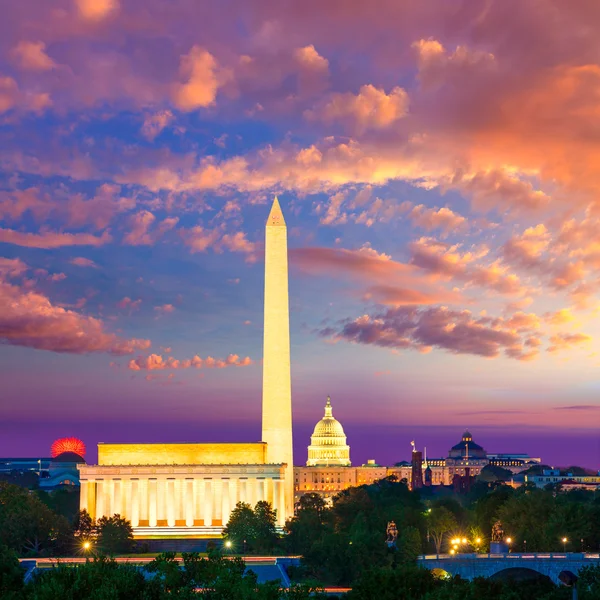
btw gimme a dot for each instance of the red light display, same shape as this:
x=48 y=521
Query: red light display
x=67 y=444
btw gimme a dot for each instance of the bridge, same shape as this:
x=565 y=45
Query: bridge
x=469 y=566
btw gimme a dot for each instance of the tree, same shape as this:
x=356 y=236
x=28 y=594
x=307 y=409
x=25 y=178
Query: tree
x=252 y=530
x=525 y=516
x=115 y=535
x=494 y=473
x=11 y=574
x=441 y=522
x=241 y=527
x=27 y=525
x=409 y=545
x=84 y=527
x=307 y=524
x=265 y=519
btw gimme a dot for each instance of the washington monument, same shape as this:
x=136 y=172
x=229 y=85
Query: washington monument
x=277 y=389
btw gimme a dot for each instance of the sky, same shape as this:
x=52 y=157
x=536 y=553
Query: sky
x=438 y=166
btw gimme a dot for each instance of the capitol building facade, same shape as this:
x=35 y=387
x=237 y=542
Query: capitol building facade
x=329 y=470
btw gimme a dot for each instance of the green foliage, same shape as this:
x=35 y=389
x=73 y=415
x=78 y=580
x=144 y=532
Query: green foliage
x=84 y=527
x=250 y=530
x=407 y=582
x=441 y=523
x=115 y=535
x=493 y=473
x=64 y=502
x=306 y=526
x=11 y=574
x=100 y=579
x=589 y=583
x=27 y=525
x=409 y=545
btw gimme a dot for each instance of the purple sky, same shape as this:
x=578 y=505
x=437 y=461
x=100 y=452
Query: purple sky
x=438 y=167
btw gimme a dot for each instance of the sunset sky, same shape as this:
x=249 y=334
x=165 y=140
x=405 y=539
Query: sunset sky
x=438 y=166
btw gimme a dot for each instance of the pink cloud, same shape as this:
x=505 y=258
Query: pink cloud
x=28 y=318
x=154 y=124
x=130 y=304
x=141 y=231
x=11 y=96
x=442 y=218
x=80 y=261
x=199 y=68
x=164 y=309
x=12 y=267
x=458 y=332
x=50 y=239
x=155 y=362
x=371 y=108
x=74 y=210
x=32 y=56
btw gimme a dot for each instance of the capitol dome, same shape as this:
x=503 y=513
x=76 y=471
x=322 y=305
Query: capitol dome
x=328 y=442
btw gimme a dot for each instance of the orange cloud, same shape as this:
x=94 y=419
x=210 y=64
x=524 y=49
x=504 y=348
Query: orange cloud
x=565 y=341
x=155 y=362
x=199 y=67
x=371 y=108
x=96 y=10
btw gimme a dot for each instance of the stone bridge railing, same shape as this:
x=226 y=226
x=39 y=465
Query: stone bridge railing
x=469 y=566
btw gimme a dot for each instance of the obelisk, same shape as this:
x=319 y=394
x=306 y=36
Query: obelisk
x=277 y=387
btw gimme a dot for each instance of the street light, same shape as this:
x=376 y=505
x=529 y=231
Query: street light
x=228 y=544
x=564 y=541
x=86 y=545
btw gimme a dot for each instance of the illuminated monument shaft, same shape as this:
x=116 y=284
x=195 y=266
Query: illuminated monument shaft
x=277 y=389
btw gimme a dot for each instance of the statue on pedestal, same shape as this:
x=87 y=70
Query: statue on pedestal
x=392 y=534
x=497 y=532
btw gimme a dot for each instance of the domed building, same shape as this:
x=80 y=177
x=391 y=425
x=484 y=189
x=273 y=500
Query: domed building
x=466 y=458
x=328 y=445
x=63 y=471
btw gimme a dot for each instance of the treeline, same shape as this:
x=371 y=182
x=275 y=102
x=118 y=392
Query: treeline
x=101 y=578
x=37 y=524
x=340 y=542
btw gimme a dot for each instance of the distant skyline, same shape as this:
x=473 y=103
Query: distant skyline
x=438 y=166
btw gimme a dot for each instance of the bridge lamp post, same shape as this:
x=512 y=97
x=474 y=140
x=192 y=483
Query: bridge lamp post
x=564 y=541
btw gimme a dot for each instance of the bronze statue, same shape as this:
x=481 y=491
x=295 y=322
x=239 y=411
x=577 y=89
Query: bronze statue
x=497 y=532
x=392 y=534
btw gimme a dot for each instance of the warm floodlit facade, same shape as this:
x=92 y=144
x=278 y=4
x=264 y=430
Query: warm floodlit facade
x=191 y=489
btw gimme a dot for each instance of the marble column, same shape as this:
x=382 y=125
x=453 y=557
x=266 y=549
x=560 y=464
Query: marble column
x=170 y=501
x=117 y=508
x=199 y=486
x=84 y=487
x=208 y=502
x=152 y=502
x=217 y=486
x=233 y=493
x=282 y=514
x=134 y=503
x=243 y=484
x=99 y=498
x=189 y=502
x=225 y=506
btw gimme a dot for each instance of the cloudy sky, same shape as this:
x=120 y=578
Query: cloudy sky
x=438 y=166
